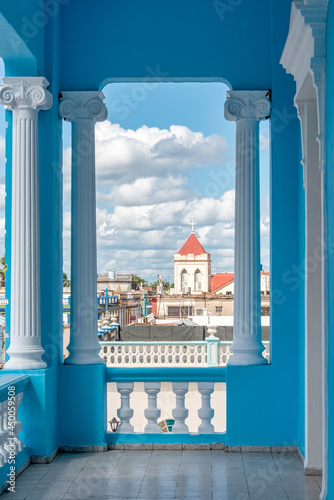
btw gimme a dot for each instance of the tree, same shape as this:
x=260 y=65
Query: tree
x=166 y=285
x=4 y=268
x=66 y=281
x=139 y=280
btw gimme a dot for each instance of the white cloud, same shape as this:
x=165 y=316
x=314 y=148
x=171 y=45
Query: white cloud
x=129 y=154
x=145 y=191
x=264 y=141
x=2 y=196
x=147 y=217
x=2 y=146
x=2 y=236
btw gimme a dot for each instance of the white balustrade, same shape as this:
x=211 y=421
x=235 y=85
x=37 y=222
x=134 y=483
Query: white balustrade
x=17 y=424
x=206 y=413
x=3 y=432
x=10 y=427
x=160 y=405
x=180 y=412
x=163 y=354
x=125 y=412
x=138 y=354
x=152 y=412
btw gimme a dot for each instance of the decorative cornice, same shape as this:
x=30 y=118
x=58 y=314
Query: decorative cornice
x=247 y=105
x=305 y=47
x=25 y=93
x=87 y=105
x=305 y=53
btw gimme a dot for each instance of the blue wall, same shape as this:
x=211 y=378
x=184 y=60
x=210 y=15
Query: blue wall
x=184 y=40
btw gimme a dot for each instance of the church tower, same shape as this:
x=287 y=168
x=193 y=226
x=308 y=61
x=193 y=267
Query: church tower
x=192 y=268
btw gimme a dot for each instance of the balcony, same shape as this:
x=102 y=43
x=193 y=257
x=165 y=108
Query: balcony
x=167 y=475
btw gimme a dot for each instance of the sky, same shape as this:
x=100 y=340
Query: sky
x=164 y=157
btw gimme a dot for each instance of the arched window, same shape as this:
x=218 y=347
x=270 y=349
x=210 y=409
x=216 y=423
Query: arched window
x=198 y=280
x=184 y=281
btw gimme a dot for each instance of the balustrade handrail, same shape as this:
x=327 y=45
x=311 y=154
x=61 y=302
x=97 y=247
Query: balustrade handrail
x=210 y=352
x=166 y=374
x=167 y=342
x=20 y=382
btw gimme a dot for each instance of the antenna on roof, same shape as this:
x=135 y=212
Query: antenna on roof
x=192 y=223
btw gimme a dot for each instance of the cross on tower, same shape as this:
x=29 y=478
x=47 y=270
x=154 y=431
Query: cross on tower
x=192 y=226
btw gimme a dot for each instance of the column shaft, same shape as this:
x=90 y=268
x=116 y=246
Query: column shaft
x=25 y=96
x=247 y=108
x=83 y=109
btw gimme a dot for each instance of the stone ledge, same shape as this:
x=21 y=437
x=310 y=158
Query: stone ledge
x=40 y=459
x=84 y=449
x=261 y=449
x=167 y=446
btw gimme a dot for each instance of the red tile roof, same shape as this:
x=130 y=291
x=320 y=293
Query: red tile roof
x=220 y=279
x=192 y=245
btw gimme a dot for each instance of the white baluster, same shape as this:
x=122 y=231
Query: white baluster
x=3 y=433
x=125 y=412
x=205 y=413
x=180 y=412
x=152 y=412
x=17 y=423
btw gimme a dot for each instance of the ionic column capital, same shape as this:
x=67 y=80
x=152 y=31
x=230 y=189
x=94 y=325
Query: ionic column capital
x=83 y=105
x=247 y=105
x=28 y=92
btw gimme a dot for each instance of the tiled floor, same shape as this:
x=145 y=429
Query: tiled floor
x=168 y=475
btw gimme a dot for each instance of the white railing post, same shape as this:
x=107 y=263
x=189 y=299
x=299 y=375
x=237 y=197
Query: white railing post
x=212 y=347
x=17 y=423
x=205 y=413
x=152 y=412
x=125 y=412
x=180 y=412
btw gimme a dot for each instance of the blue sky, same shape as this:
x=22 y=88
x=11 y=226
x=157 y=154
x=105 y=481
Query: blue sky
x=164 y=157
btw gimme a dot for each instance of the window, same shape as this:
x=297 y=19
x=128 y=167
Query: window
x=174 y=311
x=184 y=281
x=198 y=280
x=219 y=309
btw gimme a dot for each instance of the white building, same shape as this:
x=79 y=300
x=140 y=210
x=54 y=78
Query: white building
x=192 y=268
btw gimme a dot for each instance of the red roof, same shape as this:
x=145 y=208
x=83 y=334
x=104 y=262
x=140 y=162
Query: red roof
x=193 y=246
x=220 y=279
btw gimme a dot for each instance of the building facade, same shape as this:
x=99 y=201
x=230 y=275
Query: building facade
x=192 y=268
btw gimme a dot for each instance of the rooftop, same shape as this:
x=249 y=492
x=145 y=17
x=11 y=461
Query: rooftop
x=192 y=246
x=220 y=279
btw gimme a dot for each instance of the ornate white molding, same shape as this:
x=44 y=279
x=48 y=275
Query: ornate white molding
x=301 y=111
x=253 y=105
x=25 y=93
x=305 y=53
x=83 y=106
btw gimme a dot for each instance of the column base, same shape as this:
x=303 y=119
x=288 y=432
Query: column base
x=247 y=357
x=84 y=357
x=28 y=359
